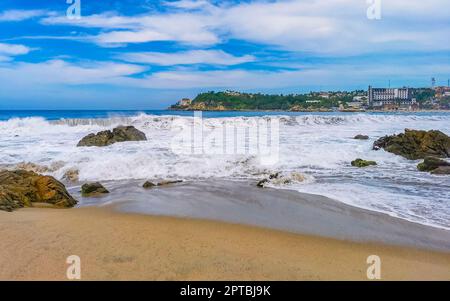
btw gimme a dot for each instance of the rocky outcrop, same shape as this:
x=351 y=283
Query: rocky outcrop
x=363 y=163
x=361 y=137
x=415 y=144
x=118 y=134
x=431 y=163
x=93 y=189
x=21 y=188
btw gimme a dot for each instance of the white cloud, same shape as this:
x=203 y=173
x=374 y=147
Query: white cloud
x=65 y=73
x=189 y=4
x=318 y=26
x=179 y=27
x=57 y=74
x=21 y=15
x=13 y=49
x=4 y=58
x=211 y=57
x=8 y=51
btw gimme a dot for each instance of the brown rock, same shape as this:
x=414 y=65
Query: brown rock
x=93 y=189
x=22 y=188
x=442 y=170
x=148 y=184
x=414 y=144
x=431 y=163
x=118 y=134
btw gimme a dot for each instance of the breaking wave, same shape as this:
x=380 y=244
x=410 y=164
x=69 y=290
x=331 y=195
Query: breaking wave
x=318 y=146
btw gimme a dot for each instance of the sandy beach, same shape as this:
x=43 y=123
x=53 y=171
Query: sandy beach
x=35 y=243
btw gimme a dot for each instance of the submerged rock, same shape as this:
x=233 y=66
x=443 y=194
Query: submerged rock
x=431 y=163
x=118 y=134
x=148 y=184
x=441 y=170
x=29 y=166
x=414 y=144
x=92 y=189
x=282 y=179
x=168 y=182
x=262 y=183
x=71 y=175
x=363 y=163
x=361 y=137
x=21 y=188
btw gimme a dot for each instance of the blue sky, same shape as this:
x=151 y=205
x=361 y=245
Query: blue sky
x=133 y=54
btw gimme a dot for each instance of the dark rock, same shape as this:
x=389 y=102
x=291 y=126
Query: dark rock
x=441 y=170
x=92 y=189
x=363 y=163
x=118 y=134
x=282 y=179
x=361 y=137
x=262 y=183
x=148 y=184
x=415 y=144
x=431 y=163
x=22 y=188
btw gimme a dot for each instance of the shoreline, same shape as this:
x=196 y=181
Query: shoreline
x=241 y=202
x=314 y=111
x=125 y=246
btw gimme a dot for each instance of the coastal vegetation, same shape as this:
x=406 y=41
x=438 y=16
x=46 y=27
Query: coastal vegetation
x=237 y=101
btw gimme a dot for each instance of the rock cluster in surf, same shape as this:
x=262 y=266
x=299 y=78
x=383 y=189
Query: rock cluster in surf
x=435 y=166
x=118 y=134
x=415 y=144
x=282 y=179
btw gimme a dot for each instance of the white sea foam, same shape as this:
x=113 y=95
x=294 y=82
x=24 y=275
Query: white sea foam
x=320 y=146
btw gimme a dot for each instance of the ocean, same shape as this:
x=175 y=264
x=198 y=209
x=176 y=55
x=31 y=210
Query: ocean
x=318 y=146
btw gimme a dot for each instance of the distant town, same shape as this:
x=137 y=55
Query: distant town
x=372 y=99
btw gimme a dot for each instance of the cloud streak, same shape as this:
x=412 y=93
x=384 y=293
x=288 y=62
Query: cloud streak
x=210 y=57
x=16 y=15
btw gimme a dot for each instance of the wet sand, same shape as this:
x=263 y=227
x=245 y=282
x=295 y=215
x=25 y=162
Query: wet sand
x=35 y=243
x=311 y=237
x=242 y=202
